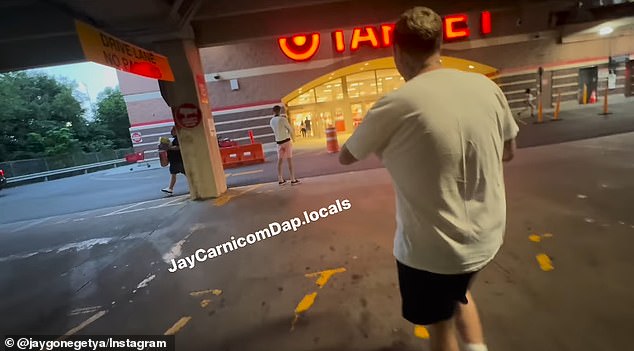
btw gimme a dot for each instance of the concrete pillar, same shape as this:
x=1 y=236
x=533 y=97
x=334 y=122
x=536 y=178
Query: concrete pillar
x=199 y=145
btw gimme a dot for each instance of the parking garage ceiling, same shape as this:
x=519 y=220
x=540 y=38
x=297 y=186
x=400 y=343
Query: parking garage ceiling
x=37 y=33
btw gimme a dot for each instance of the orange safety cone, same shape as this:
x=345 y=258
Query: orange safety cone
x=540 y=111
x=331 y=140
x=605 y=103
x=593 y=97
x=557 y=105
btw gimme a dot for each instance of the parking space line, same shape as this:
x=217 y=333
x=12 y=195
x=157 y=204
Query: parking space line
x=182 y=199
x=121 y=210
x=84 y=324
x=31 y=224
x=178 y=326
x=247 y=172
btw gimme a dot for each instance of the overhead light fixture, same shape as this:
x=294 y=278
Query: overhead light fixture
x=471 y=66
x=606 y=30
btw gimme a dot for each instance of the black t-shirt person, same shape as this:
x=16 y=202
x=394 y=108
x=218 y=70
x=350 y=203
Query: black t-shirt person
x=175 y=158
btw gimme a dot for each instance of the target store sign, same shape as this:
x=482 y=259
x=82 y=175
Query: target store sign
x=136 y=138
x=302 y=47
x=188 y=116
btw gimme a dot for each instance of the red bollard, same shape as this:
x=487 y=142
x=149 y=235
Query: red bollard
x=251 y=137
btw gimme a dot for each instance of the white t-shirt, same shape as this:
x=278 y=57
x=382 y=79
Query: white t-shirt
x=441 y=137
x=281 y=128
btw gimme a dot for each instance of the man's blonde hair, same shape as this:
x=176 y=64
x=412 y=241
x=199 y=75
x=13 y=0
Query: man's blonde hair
x=419 y=31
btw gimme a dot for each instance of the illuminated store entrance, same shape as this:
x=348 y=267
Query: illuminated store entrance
x=343 y=97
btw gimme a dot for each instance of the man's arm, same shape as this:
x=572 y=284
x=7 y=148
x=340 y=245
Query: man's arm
x=375 y=131
x=509 y=127
x=289 y=128
x=345 y=157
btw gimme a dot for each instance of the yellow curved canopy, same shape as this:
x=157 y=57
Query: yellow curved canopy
x=387 y=63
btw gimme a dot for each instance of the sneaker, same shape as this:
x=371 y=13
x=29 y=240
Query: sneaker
x=293 y=182
x=282 y=182
x=167 y=190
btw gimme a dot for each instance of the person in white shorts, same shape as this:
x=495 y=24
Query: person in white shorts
x=284 y=139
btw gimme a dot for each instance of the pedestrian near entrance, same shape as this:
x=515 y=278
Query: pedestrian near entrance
x=309 y=130
x=443 y=137
x=303 y=129
x=284 y=139
x=176 y=162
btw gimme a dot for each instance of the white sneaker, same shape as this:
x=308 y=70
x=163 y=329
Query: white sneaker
x=167 y=190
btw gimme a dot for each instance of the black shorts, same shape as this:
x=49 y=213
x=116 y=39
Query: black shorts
x=428 y=297
x=177 y=167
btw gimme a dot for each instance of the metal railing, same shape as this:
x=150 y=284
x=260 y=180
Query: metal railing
x=47 y=174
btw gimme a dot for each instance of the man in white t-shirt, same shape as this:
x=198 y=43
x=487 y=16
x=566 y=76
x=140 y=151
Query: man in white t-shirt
x=283 y=138
x=443 y=137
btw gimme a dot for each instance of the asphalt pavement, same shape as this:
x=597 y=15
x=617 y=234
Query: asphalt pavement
x=92 y=254
x=557 y=284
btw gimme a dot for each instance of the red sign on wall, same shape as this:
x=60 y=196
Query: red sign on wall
x=187 y=116
x=302 y=47
x=136 y=138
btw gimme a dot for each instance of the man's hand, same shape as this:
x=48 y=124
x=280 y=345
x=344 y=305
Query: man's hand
x=345 y=157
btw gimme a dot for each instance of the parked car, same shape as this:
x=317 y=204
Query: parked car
x=3 y=179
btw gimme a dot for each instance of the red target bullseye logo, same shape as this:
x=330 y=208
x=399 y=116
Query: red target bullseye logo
x=300 y=47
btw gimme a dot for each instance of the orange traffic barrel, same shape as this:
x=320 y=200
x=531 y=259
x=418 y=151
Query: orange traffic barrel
x=331 y=140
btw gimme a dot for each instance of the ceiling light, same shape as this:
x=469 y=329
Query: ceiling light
x=606 y=30
x=365 y=64
x=471 y=66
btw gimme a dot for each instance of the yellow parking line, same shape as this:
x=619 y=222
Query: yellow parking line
x=303 y=306
x=421 y=332
x=224 y=199
x=216 y=292
x=178 y=326
x=83 y=324
x=545 y=263
x=535 y=238
x=306 y=303
x=324 y=276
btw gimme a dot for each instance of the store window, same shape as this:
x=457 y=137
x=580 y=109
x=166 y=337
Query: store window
x=388 y=80
x=304 y=99
x=329 y=91
x=361 y=84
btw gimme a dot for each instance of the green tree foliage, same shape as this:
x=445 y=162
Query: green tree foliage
x=38 y=116
x=111 y=119
x=41 y=116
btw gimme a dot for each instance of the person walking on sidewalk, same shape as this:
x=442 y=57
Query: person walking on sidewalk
x=283 y=137
x=443 y=138
x=176 y=162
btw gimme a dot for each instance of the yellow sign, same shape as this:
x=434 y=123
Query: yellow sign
x=103 y=48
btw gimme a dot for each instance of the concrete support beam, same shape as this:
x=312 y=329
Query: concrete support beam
x=199 y=145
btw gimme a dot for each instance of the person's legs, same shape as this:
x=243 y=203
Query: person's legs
x=280 y=177
x=469 y=325
x=442 y=336
x=290 y=169
x=172 y=181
